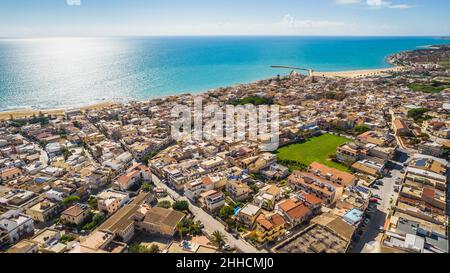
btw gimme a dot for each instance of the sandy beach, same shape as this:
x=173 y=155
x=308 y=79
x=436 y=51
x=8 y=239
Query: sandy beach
x=27 y=113
x=358 y=73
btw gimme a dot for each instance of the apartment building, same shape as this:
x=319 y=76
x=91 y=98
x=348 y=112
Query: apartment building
x=322 y=188
x=14 y=226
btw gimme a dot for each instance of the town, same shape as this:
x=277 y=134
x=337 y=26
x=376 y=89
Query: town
x=362 y=167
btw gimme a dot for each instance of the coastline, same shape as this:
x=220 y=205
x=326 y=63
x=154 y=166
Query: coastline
x=28 y=113
x=359 y=73
x=352 y=74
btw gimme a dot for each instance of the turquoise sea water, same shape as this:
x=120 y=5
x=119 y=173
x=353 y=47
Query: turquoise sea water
x=68 y=72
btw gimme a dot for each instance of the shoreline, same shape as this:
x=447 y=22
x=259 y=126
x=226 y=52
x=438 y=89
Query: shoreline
x=352 y=74
x=28 y=113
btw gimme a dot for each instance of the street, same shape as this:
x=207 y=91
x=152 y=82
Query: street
x=372 y=232
x=210 y=223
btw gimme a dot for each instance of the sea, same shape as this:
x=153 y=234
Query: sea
x=49 y=73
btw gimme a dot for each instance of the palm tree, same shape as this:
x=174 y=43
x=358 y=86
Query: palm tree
x=218 y=238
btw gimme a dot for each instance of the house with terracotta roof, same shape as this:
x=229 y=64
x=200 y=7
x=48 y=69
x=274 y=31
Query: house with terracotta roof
x=136 y=173
x=400 y=127
x=269 y=227
x=75 y=215
x=334 y=175
x=294 y=211
x=322 y=188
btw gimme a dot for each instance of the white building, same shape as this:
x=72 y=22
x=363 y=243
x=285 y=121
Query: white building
x=15 y=225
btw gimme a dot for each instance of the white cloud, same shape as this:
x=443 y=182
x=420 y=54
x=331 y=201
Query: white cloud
x=347 y=2
x=375 y=4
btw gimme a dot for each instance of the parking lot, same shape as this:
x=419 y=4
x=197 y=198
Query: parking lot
x=386 y=191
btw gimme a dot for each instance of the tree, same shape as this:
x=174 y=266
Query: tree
x=139 y=248
x=68 y=201
x=226 y=212
x=218 y=238
x=97 y=219
x=66 y=154
x=67 y=238
x=181 y=205
x=417 y=114
x=361 y=129
x=93 y=202
x=164 y=204
x=182 y=229
x=147 y=187
x=154 y=248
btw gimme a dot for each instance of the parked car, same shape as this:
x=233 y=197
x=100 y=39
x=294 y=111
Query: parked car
x=377 y=197
x=374 y=200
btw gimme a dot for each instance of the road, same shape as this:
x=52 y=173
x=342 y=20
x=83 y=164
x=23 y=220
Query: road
x=388 y=196
x=211 y=224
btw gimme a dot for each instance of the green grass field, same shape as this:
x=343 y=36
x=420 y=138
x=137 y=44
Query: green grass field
x=317 y=149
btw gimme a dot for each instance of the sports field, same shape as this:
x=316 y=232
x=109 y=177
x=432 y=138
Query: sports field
x=317 y=149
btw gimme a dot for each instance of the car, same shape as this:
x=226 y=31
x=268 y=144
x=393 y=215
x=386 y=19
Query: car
x=377 y=197
x=374 y=200
x=236 y=235
x=228 y=247
x=375 y=187
x=201 y=226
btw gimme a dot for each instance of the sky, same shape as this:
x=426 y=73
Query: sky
x=49 y=18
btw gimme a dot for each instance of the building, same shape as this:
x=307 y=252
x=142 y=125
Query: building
x=10 y=174
x=269 y=227
x=193 y=189
x=24 y=247
x=315 y=239
x=110 y=201
x=48 y=241
x=248 y=215
x=213 y=200
x=347 y=154
x=322 y=188
x=267 y=197
x=353 y=217
x=334 y=175
x=122 y=223
x=294 y=211
x=99 y=241
x=76 y=215
x=136 y=173
x=238 y=190
x=14 y=226
x=159 y=221
x=43 y=211
x=400 y=127
x=370 y=167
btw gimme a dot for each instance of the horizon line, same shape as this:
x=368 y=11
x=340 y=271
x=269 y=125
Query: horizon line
x=439 y=36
